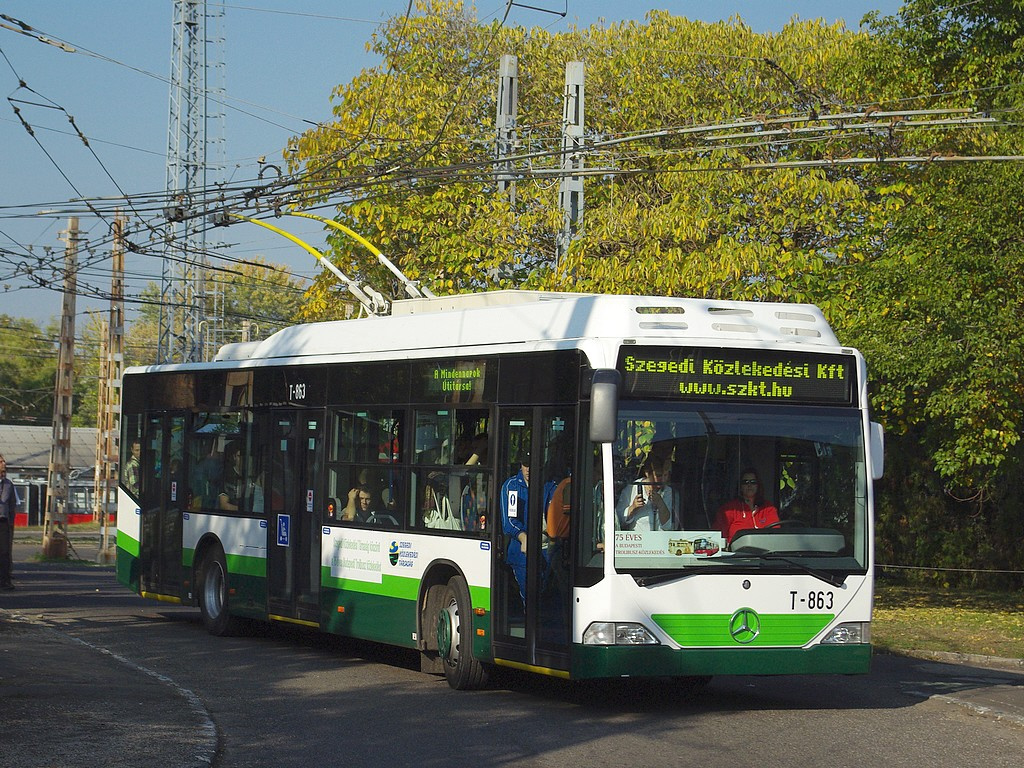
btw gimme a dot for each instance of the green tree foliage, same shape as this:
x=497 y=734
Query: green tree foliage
x=939 y=320
x=412 y=143
x=27 y=375
x=86 y=381
x=941 y=297
x=974 y=47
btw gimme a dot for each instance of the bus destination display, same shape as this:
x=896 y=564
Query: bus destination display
x=700 y=373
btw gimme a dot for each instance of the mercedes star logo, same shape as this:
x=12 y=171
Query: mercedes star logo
x=744 y=626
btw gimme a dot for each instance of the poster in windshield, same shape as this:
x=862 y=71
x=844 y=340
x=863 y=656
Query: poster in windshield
x=667 y=549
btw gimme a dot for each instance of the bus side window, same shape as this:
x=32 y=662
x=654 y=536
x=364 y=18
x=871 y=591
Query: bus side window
x=437 y=508
x=472 y=508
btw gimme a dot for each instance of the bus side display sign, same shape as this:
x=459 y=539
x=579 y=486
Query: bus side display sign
x=702 y=373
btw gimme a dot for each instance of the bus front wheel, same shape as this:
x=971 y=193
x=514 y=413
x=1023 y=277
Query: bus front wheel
x=455 y=638
x=213 y=595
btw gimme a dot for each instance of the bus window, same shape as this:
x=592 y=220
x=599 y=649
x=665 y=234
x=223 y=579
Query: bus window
x=433 y=437
x=222 y=468
x=367 y=436
x=475 y=490
x=435 y=494
x=472 y=437
x=363 y=496
x=131 y=453
x=591 y=499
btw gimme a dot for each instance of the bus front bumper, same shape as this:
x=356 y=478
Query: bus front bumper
x=597 y=661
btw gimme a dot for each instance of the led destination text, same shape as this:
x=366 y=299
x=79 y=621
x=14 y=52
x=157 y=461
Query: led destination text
x=456 y=379
x=739 y=374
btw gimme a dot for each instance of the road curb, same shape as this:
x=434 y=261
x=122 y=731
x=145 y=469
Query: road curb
x=968 y=659
x=982 y=710
x=984 y=702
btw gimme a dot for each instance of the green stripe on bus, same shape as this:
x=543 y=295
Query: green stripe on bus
x=400 y=587
x=244 y=565
x=128 y=544
x=480 y=597
x=702 y=630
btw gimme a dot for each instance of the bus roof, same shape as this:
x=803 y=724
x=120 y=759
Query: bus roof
x=486 y=321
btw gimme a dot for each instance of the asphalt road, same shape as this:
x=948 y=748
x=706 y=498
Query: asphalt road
x=282 y=696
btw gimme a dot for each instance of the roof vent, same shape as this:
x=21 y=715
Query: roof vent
x=800 y=317
x=732 y=311
x=649 y=326
x=660 y=310
x=800 y=332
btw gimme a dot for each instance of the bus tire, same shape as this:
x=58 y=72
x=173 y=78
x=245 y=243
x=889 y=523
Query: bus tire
x=455 y=638
x=213 y=595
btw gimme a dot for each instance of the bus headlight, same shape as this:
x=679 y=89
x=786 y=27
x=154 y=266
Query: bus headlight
x=613 y=633
x=850 y=633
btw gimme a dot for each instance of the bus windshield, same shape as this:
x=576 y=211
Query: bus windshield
x=726 y=486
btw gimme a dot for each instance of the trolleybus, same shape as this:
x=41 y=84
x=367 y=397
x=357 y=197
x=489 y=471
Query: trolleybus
x=535 y=480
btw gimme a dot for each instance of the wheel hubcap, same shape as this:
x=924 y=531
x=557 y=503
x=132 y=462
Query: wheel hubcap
x=447 y=627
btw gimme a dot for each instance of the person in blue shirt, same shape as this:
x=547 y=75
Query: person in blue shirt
x=514 y=500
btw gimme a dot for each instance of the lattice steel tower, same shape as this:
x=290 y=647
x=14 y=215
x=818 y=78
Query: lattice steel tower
x=195 y=151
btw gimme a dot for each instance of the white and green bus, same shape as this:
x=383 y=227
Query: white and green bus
x=462 y=476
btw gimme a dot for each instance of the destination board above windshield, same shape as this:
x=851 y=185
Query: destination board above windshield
x=746 y=375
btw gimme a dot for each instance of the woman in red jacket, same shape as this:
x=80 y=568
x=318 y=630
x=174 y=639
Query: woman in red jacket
x=749 y=510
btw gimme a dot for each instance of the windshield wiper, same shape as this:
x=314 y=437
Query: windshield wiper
x=662 y=578
x=828 y=578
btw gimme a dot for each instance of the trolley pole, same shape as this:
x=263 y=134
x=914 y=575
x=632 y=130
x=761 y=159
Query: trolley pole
x=55 y=538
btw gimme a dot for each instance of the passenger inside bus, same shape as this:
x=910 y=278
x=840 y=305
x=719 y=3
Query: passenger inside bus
x=131 y=470
x=472 y=451
x=206 y=478
x=748 y=510
x=514 y=500
x=361 y=508
x=650 y=503
x=233 y=480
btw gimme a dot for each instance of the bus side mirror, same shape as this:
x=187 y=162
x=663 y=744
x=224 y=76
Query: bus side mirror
x=604 y=405
x=877 y=450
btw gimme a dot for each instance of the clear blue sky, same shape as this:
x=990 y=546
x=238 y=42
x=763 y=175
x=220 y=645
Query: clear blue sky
x=282 y=59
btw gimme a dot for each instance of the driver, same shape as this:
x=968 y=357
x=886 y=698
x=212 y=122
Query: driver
x=749 y=510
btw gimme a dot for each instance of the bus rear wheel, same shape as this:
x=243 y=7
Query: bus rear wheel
x=455 y=638
x=213 y=595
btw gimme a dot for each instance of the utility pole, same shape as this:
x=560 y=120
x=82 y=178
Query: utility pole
x=508 y=106
x=102 y=424
x=570 y=190
x=55 y=538
x=108 y=408
x=195 y=70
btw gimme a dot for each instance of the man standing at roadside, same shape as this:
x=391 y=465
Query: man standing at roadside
x=8 y=506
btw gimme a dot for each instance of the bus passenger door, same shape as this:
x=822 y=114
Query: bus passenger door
x=531 y=600
x=161 y=503
x=293 y=546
